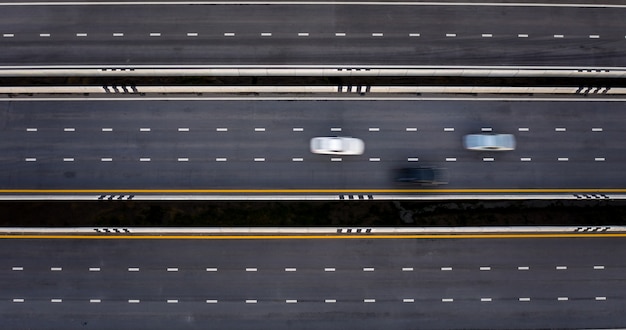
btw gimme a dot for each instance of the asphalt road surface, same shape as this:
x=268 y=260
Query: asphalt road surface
x=312 y=34
x=520 y=283
x=239 y=144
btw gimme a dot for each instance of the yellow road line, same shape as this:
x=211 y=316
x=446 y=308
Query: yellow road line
x=348 y=236
x=323 y=191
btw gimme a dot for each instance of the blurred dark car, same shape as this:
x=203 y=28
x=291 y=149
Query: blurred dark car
x=422 y=176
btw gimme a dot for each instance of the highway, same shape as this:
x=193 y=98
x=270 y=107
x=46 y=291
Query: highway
x=356 y=34
x=334 y=283
x=230 y=144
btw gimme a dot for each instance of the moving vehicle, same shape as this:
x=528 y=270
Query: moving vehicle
x=337 y=145
x=489 y=142
x=422 y=175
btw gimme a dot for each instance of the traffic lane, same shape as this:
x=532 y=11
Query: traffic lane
x=350 y=42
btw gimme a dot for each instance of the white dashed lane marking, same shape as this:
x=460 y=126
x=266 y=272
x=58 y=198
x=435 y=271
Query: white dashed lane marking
x=374 y=129
x=81 y=34
x=524 y=299
x=412 y=159
x=335 y=129
x=523 y=129
x=408 y=300
x=335 y=159
x=183 y=159
x=94 y=269
x=485 y=268
x=596 y=129
x=145 y=129
x=297 y=159
x=183 y=129
x=144 y=159
x=251 y=301
x=44 y=35
x=598 y=267
x=31 y=159
x=487 y=35
x=56 y=269
x=447 y=300
x=222 y=129
x=599 y=159
x=133 y=269
x=69 y=129
x=31 y=129
x=134 y=301
x=407 y=269
x=525 y=159
x=118 y=34
x=68 y=159
x=559 y=36
x=266 y=34
x=522 y=35
x=211 y=301
x=8 y=35
x=562 y=298
x=330 y=301
x=172 y=269
x=488 y=159
x=259 y=159
x=18 y=300
x=298 y=129
x=303 y=34
x=290 y=269
x=172 y=301
x=192 y=34
x=107 y=129
x=450 y=159
x=450 y=35
x=56 y=300
x=95 y=301
x=369 y=300
x=340 y=34
x=329 y=269
x=561 y=267
x=600 y=298
x=523 y=268
x=411 y=129
x=374 y=159
x=446 y=268
x=17 y=269
x=378 y=34
x=106 y=159
x=211 y=269
x=560 y=129
x=485 y=299
x=563 y=159
x=486 y=129
x=221 y=159
x=259 y=129
x=594 y=36
x=291 y=301
x=448 y=129
x=229 y=34
x=368 y=269
x=155 y=34
x=414 y=34
x=251 y=269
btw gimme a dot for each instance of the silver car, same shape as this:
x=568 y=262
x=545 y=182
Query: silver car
x=489 y=142
x=336 y=145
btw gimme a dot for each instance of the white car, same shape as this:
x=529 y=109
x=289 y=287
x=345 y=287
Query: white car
x=489 y=142
x=336 y=145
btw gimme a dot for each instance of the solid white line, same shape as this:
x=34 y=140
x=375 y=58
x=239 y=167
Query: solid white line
x=183 y=159
x=266 y=34
x=44 y=35
x=56 y=269
x=408 y=300
x=594 y=36
x=211 y=301
x=222 y=159
x=8 y=35
x=68 y=159
x=290 y=269
x=522 y=35
x=485 y=268
x=560 y=129
x=172 y=301
x=450 y=35
x=524 y=299
x=259 y=129
x=562 y=299
x=485 y=299
x=488 y=159
x=69 y=129
x=448 y=129
x=134 y=301
x=172 y=269
x=118 y=34
x=599 y=159
x=486 y=129
x=330 y=301
x=31 y=159
x=598 y=267
x=561 y=267
x=596 y=129
x=563 y=159
x=155 y=34
x=303 y=34
x=600 y=298
x=211 y=269
x=106 y=159
x=18 y=300
x=374 y=159
x=291 y=301
x=297 y=159
x=487 y=35
x=446 y=268
x=523 y=268
x=525 y=159
x=251 y=269
x=368 y=269
x=558 y=36
x=229 y=34
x=56 y=300
x=145 y=129
x=369 y=300
x=447 y=300
x=450 y=159
x=144 y=159
x=94 y=269
x=192 y=34
x=414 y=34
x=133 y=269
x=407 y=269
x=335 y=129
x=336 y=159
x=523 y=129
x=411 y=129
x=340 y=34
x=412 y=159
x=95 y=301
x=17 y=268
x=374 y=129
x=298 y=129
x=107 y=129
x=259 y=159
x=222 y=129
x=31 y=129
x=378 y=34
x=81 y=34
x=250 y=301
x=329 y=269
x=183 y=129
